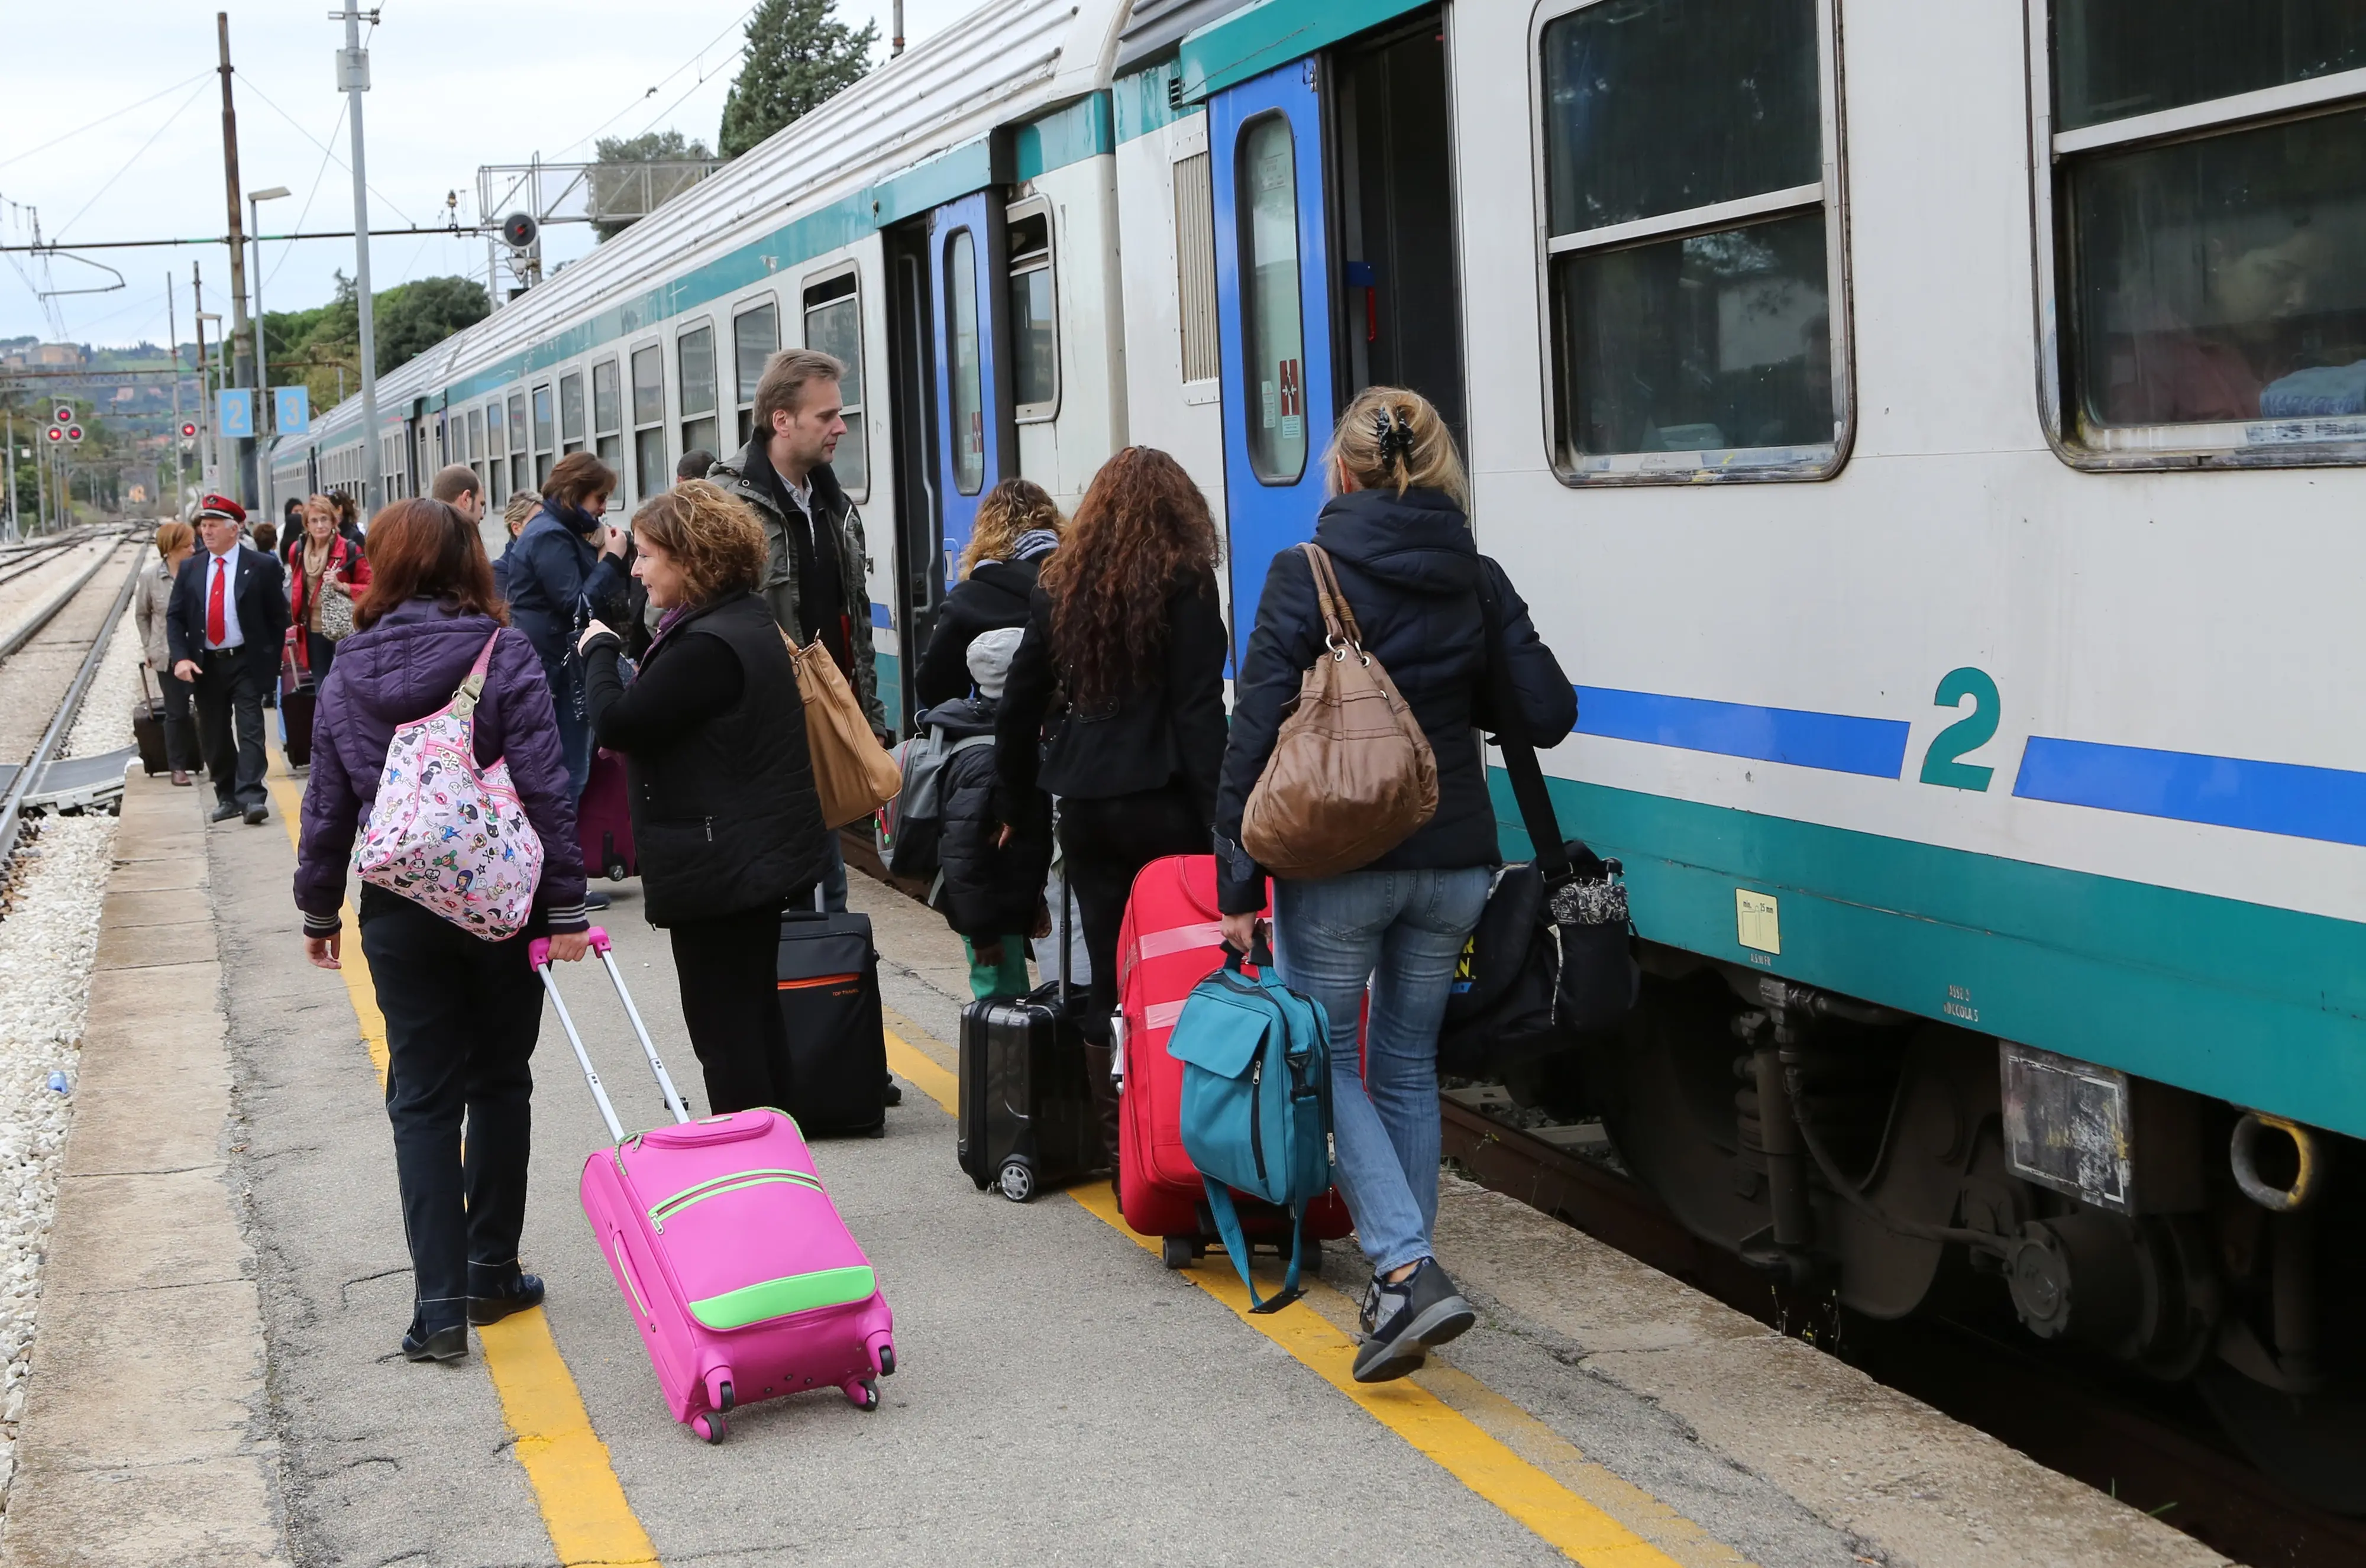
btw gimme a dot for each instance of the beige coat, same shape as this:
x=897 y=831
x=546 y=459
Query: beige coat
x=147 y=603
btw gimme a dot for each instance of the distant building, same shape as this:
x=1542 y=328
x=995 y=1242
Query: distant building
x=65 y=355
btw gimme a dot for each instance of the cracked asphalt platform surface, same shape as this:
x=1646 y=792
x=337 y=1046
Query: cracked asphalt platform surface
x=1060 y=1397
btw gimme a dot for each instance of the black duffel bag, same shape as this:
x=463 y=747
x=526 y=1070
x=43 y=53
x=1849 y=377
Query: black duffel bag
x=1551 y=956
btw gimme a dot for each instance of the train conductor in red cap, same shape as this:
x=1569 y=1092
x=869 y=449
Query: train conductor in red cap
x=224 y=625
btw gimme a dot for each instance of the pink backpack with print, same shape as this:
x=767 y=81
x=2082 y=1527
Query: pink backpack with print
x=447 y=833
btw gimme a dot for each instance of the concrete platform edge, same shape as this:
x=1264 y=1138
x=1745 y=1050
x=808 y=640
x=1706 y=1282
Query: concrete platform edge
x=146 y=1437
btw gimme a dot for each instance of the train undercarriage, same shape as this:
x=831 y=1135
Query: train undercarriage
x=1895 y=1165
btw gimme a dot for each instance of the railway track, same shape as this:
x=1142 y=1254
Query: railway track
x=2146 y=1445
x=22 y=561
x=91 y=612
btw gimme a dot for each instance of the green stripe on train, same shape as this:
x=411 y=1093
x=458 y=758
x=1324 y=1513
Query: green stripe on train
x=2257 y=1005
x=778 y=1298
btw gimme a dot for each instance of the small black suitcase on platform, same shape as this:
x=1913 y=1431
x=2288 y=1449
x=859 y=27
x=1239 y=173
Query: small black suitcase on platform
x=295 y=723
x=837 y=1039
x=148 y=726
x=1027 y=1117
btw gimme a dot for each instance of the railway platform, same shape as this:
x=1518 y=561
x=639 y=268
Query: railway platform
x=215 y=1378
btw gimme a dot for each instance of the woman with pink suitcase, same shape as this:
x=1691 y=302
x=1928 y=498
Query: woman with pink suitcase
x=434 y=670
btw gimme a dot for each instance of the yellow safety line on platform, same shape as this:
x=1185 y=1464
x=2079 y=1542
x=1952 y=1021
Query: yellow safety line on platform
x=1578 y=1529
x=582 y=1502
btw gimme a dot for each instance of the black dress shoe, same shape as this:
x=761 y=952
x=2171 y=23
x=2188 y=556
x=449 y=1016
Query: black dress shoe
x=492 y=1309
x=894 y=1092
x=225 y=811
x=442 y=1345
x=254 y=815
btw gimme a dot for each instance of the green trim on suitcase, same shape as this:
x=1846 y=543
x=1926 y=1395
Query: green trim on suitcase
x=722 y=1184
x=778 y=1298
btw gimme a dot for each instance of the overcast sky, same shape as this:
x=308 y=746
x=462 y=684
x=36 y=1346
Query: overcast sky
x=454 y=84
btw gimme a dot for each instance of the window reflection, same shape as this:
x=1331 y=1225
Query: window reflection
x=1271 y=322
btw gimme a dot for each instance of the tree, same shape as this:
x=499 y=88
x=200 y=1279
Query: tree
x=412 y=318
x=621 y=192
x=799 y=56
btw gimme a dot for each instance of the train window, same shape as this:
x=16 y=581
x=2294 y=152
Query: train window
x=607 y=420
x=475 y=418
x=1691 y=260
x=1034 y=328
x=542 y=435
x=834 y=325
x=1272 y=319
x=649 y=474
x=1195 y=266
x=520 y=474
x=497 y=469
x=695 y=361
x=755 y=338
x=966 y=373
x=571 y=412
x=2211 y=217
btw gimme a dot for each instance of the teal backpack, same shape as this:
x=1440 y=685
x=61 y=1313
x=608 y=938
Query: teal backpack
x=1257 y=1103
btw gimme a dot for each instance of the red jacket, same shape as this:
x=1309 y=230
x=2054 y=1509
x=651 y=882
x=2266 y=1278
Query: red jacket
x=346 y=564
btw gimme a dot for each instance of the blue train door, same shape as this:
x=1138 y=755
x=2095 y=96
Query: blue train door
x=1274 y=310
x=976 y=445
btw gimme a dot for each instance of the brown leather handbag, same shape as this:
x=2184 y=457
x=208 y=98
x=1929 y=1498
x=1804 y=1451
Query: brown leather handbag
x=852 y=773
x=1352 y=776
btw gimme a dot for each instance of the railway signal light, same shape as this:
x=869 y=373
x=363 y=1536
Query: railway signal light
x=188 y=430
x=56 y=433
x=62 y=413
x=74 y=434
x=518 y=230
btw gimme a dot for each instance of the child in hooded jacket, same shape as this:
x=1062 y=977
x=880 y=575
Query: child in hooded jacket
x=988 y=891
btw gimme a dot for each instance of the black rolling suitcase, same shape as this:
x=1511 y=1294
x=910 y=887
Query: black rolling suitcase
x=148 y=726
x=837 y=1041
x=1026 y=1119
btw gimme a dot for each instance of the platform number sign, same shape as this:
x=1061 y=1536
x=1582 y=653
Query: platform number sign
x=1942 y=763
x=235 y=412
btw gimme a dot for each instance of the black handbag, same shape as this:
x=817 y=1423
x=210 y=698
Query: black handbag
x=1551 y=956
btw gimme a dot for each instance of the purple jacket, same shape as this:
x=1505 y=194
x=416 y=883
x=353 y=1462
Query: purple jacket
x=404 y=668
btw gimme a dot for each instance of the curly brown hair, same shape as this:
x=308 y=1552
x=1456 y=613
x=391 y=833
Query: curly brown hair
x=1141 y=532
x=710 y=534
x=1010 y=511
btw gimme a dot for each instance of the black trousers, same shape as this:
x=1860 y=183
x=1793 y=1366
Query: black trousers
x=318 y=651
x=461 y=1018
x=180 y=734
x=1105 y=844
x=229 y=726
x=729 y=969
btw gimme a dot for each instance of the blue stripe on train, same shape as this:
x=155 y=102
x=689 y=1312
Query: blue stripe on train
x=1837 y=742
x=2286 y=798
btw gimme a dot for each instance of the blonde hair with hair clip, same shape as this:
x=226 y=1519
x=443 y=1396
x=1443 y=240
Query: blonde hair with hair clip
x=1389 y=438
x=1010 y=511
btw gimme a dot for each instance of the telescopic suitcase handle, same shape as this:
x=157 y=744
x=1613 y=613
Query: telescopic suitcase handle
x=538 y=953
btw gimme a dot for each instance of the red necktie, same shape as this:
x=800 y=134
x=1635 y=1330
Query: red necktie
x=217 y=628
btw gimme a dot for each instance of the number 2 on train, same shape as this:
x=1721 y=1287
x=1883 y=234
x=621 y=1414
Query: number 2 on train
x=1969 y=733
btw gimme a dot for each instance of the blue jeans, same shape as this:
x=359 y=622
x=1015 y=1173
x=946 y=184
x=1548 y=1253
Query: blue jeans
x=1404 y=932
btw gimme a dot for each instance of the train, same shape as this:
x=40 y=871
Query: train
x=1933 y=444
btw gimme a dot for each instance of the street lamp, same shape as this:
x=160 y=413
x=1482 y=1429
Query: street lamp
x=254 y=201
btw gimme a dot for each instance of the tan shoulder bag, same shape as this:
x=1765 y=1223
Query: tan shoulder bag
x=1352 y=776
x=853 y=776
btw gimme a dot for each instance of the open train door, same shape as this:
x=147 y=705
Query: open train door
x=1335 y=264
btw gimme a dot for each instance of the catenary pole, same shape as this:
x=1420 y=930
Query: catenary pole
x=238 y=362
x=173 y=333
x=353 y=75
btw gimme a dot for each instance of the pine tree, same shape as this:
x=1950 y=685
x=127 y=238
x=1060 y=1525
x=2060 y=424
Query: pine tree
x=799 y=55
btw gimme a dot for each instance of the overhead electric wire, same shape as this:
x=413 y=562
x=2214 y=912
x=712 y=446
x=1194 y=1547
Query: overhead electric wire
x=112 y=114
x=738 y=21
x=310 y=196
x=194 y=95
x=324 y=146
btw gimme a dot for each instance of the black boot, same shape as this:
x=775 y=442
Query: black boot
x=1097 y=1058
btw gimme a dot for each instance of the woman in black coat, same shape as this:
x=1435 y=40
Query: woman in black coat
x=725 y=816
x=1017 y=526
x=1398 y=534
x=1125 y=656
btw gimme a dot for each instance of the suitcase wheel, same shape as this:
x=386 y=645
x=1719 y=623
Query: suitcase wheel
x=862 y=1394
x=1017 y=1180
x=615 y=870
x=886 y=1360
x=709 y=1424
x=1176 y=1251
x=718 y=1389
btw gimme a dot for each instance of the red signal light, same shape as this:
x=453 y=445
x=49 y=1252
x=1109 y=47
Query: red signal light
x=188 y=430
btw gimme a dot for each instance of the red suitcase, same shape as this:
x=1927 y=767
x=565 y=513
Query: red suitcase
x=604 y=821
x=1170 y=942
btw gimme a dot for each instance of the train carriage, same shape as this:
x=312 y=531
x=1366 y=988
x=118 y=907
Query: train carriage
x=1928 y=437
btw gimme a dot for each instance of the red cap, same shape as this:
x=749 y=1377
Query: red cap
x=212 y=505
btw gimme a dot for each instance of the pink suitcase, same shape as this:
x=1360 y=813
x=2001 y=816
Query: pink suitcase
x=743 y=1281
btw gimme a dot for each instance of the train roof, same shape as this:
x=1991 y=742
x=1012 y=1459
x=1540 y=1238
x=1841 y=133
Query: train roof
x=1007 y=62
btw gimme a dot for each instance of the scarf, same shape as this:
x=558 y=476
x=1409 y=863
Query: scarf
x=1035 y=542
x=316 y=568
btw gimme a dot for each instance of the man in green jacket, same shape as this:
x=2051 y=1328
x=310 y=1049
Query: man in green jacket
x=816 y=581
